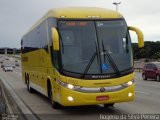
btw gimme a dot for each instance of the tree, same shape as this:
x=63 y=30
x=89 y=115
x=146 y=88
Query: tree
x=151 y=50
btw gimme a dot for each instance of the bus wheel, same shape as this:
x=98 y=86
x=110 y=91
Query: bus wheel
x=55 y=105
x=109 y=105
x=29 y=88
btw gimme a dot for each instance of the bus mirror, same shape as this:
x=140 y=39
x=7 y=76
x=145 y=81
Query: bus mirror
x=140 y=36
x=55 y=39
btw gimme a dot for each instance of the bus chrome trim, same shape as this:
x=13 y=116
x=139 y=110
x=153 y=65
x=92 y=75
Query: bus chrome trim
x=98 y=89
x=101 y=89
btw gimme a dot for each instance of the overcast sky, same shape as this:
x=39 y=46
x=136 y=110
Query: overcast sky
x=17 y=16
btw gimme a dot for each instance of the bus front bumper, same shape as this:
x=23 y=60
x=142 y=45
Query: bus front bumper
x=74 y=98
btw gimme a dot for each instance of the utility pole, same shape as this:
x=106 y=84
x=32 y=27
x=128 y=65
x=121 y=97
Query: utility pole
x=116 y=4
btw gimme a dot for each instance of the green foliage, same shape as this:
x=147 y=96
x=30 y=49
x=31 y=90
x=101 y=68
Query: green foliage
x=151 y=50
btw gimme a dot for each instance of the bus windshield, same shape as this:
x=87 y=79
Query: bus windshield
x=95 y=47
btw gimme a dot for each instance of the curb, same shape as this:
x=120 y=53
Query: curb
x=24 y=109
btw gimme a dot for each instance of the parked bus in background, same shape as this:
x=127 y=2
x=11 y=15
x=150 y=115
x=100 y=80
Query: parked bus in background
x=80 y=56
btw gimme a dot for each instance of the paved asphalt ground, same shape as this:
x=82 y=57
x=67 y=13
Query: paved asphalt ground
x=147 y=101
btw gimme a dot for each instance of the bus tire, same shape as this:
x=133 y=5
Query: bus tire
x=54 y=104
x=29 y=88
x=109 y=105
x=25 y=78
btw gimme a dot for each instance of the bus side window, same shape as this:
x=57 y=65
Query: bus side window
x=42 y=36
x=22 y=45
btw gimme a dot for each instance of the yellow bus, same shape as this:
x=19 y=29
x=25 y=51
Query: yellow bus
x=80 y=56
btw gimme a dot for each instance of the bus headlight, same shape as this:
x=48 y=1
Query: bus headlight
x=130 y=94
x=129 y=83
x=73 y=87
x=70 y=86
x=70 y=98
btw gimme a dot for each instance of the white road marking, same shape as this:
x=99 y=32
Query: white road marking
x=146 y=93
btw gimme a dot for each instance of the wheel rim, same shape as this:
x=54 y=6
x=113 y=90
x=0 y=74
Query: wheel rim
x=144 y=77
x=157 y=77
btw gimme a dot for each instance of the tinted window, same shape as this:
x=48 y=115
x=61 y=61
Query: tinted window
x=153 y=66
x=148 y=66
x=36 y=39
x=42 y=35
x=51 y=23
x=75 y=37
x=158 y=65
x=80 y=41
x=26 y=47
x=114 y=38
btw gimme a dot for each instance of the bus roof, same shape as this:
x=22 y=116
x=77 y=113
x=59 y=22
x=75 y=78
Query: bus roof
x=83 y=12
x=79 y=13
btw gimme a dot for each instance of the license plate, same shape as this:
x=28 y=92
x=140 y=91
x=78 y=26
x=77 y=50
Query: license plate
x=102 y=98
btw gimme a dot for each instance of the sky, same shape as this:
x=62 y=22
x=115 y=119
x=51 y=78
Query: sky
x=17 y=16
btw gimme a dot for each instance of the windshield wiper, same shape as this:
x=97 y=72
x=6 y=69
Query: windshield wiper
x=90 y=62
x=111 y=61
x=127 y=35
